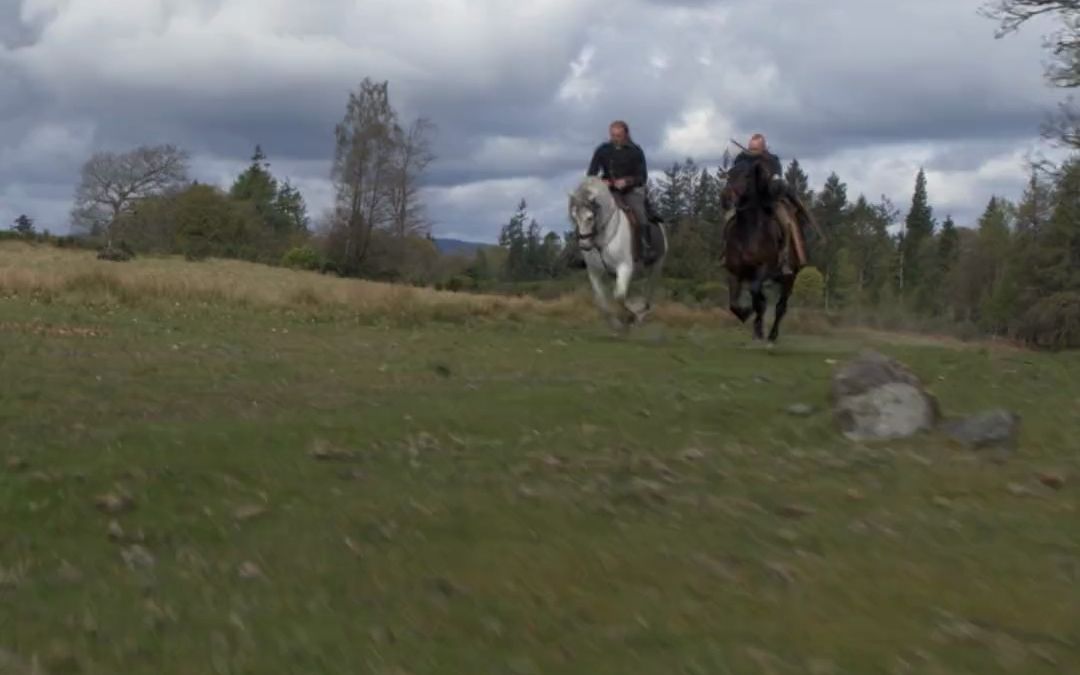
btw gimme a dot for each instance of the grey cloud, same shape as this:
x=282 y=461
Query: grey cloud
x=826 y=83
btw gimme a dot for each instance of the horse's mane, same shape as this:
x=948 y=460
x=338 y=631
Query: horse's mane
x=590 y=188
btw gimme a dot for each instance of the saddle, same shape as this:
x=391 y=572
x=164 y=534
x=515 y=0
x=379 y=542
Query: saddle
x=637 y=231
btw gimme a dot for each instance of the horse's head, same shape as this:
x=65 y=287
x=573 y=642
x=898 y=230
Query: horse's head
x=750 y=184
x=586 y=204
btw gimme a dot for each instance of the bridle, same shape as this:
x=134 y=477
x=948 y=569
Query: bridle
x=598 y=229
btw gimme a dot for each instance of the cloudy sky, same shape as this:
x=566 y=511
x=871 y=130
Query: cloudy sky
x=522 y=91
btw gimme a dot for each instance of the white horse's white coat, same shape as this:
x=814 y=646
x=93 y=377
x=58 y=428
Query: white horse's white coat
x=605 y=239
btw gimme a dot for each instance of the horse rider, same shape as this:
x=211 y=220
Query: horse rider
x=620 y=162
x=757 y=148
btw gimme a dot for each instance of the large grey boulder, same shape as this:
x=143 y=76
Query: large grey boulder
x=876 y=398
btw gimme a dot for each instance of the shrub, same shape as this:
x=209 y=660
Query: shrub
x=809 y=288
x=302 y=258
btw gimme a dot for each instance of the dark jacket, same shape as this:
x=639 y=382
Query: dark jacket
x=612 y=162
x=746 y=159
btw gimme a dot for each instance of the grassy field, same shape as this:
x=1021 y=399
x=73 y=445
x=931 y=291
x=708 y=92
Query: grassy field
x=223 y=468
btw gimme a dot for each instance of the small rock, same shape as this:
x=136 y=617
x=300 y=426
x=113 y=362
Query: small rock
x=782 y=572
x=692 y=455
x=794 y=511
x=69 y=574
x=1018 y=490
x=249 y=512
x=855 y=495
x=762 y=379
x=800 y=410
x=17 y=464
x=115 y=532
x=137 y=557
x=115 y=503
x=551 y=461
x=1054 y=481
x=990 y=429
x=323 y=451
x=351 y=475
x=249 y=570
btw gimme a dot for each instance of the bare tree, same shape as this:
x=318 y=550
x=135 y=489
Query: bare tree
x=1064 y=45
x=111 y=183
x=412 y=158
x=363 y=164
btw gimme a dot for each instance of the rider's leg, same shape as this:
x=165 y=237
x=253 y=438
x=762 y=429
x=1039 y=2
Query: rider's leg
x=635 y=199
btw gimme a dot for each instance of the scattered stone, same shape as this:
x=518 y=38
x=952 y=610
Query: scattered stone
x=17 y=464
x=115 y=532
x=137 y=557
x=782 y=572
x=1053 y=481
x=1018 y=490
x=855 y=495
x=323 y=451
x=249 y=512
x=878 y=398
x=990 y=429
x=794 y=511
x=69 y=574
x=115 y=503
x=692 y=455
x=249 y=570
x=351 y=475
x=800 y=410
x=120 y=253
x=762 y=379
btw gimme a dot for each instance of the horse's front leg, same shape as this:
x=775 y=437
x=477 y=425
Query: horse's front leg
x=623 y=273
x=600 y=296
x=757 y=297
x=787 y=283
x=734 y=296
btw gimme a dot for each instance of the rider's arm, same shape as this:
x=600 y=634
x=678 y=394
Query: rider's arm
x=594 y=165
x=642 y=177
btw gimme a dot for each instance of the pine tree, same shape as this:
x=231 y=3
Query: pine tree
x=831 y=213
x=289 y=205
x=870 y=247
x=948 y=245
x=918 y=226
x=24 y=225
x=799 y=182
x=514 y=240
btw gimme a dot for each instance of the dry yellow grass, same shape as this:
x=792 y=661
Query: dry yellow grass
x=51 y=274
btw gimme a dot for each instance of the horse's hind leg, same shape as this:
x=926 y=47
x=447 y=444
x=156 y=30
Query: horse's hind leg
x=787 y=282
x=734 y=291
x=651 y=282
x=757 y=297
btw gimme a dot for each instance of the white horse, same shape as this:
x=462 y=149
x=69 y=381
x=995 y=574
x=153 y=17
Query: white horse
x=606 y=242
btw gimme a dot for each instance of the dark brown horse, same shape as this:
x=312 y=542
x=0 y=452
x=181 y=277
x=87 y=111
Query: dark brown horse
x=753 y=243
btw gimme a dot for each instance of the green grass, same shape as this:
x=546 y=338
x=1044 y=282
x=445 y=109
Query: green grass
x=511 y=496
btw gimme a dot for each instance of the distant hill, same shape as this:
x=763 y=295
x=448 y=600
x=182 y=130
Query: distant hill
x=458 y=247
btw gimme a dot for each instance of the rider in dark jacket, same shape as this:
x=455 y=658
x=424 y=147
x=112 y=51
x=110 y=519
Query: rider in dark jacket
x=622 y=163
x=757 y=149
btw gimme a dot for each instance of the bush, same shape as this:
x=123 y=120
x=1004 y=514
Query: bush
x=119 y=253
x=809 y=288
x=1054 y=322
x=710 y=293
x=460 y=282
x=302 y=258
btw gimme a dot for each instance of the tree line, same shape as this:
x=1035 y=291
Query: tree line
x=1013 y=273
